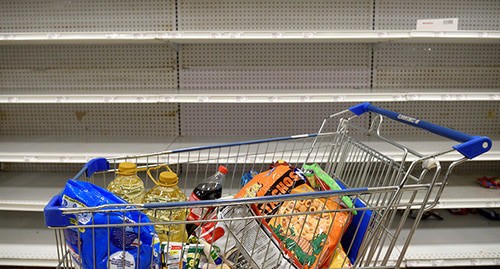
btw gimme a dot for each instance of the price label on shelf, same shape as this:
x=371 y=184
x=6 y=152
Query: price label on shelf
x=437 y=24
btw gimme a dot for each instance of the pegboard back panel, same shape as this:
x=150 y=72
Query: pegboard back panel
x=66 y=120
x=475 y=118
x=86 y=16
x=403 y=14
x=258 y=120
x=42 y=167
x=88 y=69
x=238 y=15
x=277 y=66
x=441 y=66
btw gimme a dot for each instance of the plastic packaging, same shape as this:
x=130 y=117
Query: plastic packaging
x=281 y=179
x=311 y=239
x=166 y=190
x=340 y=259
x=172 y=255
x=208 y=189
x=128 y=246
x=212 y=253
x=127 y=184
x=322 y=177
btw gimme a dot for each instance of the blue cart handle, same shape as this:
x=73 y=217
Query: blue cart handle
x=471 y=147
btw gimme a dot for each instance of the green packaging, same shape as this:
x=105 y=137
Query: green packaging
x=323 y=176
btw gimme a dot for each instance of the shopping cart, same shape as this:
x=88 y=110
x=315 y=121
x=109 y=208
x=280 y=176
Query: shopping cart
x=384 y=192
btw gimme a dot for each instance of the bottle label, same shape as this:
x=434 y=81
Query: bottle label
x=194 y=213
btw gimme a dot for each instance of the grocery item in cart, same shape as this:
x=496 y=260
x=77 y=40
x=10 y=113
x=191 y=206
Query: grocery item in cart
x=172 y=255
x=208 y=189
x=281 y=179
x=165 y=191
x=340 y=259
x=127 y=184
x=244 y=243
x=121 y=246
x=326 y=182
x=312 y=238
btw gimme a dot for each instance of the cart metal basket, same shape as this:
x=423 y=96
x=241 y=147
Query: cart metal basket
x=389 y=196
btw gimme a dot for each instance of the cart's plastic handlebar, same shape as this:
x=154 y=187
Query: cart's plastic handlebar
x=471 y=147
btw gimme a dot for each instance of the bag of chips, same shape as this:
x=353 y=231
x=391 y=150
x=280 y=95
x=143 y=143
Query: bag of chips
x=312 y=238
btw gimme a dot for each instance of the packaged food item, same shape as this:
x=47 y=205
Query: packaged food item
x=245 y=243
x=340 y=259
x=211 y=252
x=312 y=238
x=124 y=246
x=208 y=189
x=281 y=179
x=165 y=191
x=247 y=177
x=127 y=184
x=321 y=177
x=172 y=255
x=191 y=256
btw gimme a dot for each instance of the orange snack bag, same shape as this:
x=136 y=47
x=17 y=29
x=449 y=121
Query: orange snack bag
x=281 y=179
x=311 y=238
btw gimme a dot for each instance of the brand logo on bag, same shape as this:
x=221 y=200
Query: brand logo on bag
x=408 y=119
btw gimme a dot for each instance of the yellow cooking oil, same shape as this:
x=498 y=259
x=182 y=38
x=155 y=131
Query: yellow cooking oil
x=127 y=184
x=166 y=190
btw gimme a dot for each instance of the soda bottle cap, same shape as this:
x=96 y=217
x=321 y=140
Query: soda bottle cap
x=223 y=169
x=127 y=168
x=169 y=178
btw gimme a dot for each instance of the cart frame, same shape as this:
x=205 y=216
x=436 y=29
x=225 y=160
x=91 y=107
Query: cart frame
x=384 y=190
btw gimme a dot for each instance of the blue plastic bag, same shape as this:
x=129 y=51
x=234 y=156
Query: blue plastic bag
x=129 y=246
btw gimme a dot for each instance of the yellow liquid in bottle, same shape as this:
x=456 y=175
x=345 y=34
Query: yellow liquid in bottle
x=127 y=184
x=165 y=194
x=130 y=188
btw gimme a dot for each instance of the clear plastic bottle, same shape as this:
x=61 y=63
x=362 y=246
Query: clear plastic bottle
x=127 y=184
x=208 y=189
x=166 y=190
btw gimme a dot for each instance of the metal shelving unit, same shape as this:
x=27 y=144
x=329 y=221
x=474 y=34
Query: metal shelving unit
x=256 y=96
x=89 y=79
x=196 y=37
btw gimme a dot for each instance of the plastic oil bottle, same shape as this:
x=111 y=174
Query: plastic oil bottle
x=127 y=184
x=166 y=190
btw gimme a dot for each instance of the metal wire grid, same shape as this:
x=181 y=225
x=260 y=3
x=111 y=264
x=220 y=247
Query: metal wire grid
x=346 y=158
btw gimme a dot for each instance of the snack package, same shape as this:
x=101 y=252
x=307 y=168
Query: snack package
x=340 y=259
x=312 y=238
x=191 y=256
x=326 y=182
x=245 y=243
x=172 y=255
x=281 y=179
x=129 y=246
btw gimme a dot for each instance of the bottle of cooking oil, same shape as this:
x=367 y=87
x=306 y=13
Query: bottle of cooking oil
x=127 y=184
x=165 y=191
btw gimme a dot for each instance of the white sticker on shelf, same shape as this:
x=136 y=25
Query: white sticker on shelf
x=437 y=24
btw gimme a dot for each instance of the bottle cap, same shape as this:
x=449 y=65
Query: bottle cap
x=127 y=168
x=223 y=169
x=169 y=178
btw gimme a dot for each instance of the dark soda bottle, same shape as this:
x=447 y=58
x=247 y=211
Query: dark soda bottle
x=208 y=189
